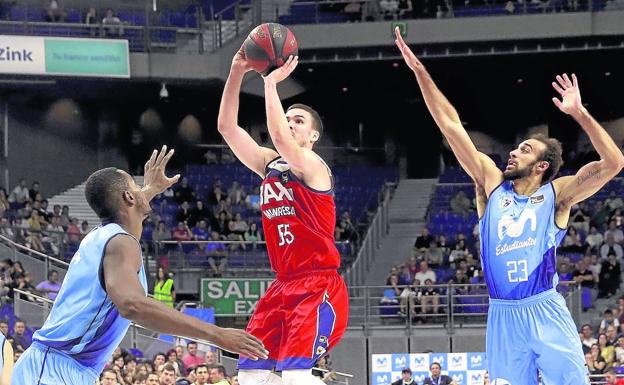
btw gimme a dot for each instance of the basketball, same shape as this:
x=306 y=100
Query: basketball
x=268 y=47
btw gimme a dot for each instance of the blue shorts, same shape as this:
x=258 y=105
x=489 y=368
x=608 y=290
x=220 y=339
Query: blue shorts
x=535 y=333
x=40 y=365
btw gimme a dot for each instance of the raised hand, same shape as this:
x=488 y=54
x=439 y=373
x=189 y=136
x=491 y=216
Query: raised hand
x=155 y=180
x=410 y=59
x=281 y=73
x=239 y=61
x=570 y=102
x=238 y=341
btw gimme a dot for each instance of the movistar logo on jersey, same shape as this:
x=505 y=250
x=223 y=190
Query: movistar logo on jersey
x=514 y=228
x=510 y=227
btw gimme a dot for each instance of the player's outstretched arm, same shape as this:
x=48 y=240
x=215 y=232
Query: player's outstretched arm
x=479 y=166
x=593 y=176
x=242 y=144
x=122 y=260
x=7 y=370
x=155 y=181
x=301 y=160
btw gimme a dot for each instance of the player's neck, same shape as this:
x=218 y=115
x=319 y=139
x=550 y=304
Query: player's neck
x=526 y=186
x=134 y=228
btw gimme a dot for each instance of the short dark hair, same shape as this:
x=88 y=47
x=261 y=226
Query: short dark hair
x=103 y=192
x=191 y=343
x=317 y=122
x=406 y=370
x=608 y=311
x=552 y=155
x=220 y=369
x=201 y=366
x=435 y=363
x=107 y=371
x=169 y=368
x=51 y=272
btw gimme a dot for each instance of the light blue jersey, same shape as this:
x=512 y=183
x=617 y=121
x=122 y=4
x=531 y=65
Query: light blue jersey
x=519 y=239
x=84 y=324
x=529 y=327
x=3 y=341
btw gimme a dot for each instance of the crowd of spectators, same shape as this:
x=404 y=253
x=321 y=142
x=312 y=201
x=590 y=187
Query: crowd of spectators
x=25 y=218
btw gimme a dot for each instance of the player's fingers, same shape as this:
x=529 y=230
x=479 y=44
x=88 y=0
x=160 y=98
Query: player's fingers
x=557 y=88
x=557 y=102
x=150 y=161
x=574 y=81
x=161 y=155
x=174 y=179
x=562 y=82
x=567 y=80
x=168 y=156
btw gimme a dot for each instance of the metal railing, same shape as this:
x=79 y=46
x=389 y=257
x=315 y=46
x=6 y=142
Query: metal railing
x=443 y=306
x=354 y=275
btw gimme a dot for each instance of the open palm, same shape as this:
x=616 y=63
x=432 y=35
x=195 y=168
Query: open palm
x=570 y=94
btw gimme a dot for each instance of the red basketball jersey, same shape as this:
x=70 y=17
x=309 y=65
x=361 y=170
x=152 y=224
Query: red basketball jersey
x=298 y=222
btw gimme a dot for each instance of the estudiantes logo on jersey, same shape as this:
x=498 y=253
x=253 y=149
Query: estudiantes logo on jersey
x=514 y=228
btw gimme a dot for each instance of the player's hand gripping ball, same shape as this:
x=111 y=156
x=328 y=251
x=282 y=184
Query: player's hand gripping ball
x=268 y=47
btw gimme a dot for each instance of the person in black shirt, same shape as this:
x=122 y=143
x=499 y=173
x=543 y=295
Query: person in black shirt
x=586 y=278
x=184 y=192
x=424 y=240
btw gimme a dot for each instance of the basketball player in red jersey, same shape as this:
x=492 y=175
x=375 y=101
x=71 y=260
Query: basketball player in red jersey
x=304 y=312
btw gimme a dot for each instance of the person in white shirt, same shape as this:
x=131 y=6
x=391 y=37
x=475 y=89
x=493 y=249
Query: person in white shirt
x=20 y=193
x=425 y=273
x=617 y=234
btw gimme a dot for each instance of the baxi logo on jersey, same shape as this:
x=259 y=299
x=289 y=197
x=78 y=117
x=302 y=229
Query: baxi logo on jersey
x=277 y=192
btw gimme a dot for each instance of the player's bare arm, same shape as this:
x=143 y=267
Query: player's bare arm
x=594 y=175
x=7 y=370
x=154 y=180
x=479 y=166
x=303 y=161
x=122 y=260
x=252 y=155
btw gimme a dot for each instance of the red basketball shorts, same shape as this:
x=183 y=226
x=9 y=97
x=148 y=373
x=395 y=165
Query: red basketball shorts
x=299 y=319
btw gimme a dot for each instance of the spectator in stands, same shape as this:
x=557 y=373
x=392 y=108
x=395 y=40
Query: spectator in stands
x=609 y=278
x=460 y=204
x=234 y=380
x=588 y=336
x=199 y=213
x=424 y=239
x=168 y=375
x=4 y=202
x=614 y=201
x=172 y=359
x=182 y=232
x=434 y=255
x=221 y=225
x=594 y=240
x=201 y=374
x=51 y=286
x=184 y=213
x=406 y=378
x=218 y=375
x=184 y=192
x=34 y=190
x=598 y=363
x=21 y=341
x=425 y=273
x=601 y=214
x=606 y=351
x=5 y=230
x=618 y=236
x=84 y=228
x=210 y=358
x=54 y=12
x=579 y=218
x=252 y=201
x=430 y=298
x=225 y=206
x=611 y=334
x=217 y=254
x=73 y=232
x=564 y=275
x=217 y=194
x=152 y=379
x=444 y=245
x=617 y=217
x=586 y=278
x=65 y=218
x=253 y=234
x=437 y=378
x=164 y=289
x=608 y=320
x=20 y=193
x=192 y=360
x=159 y=359
x=611 y=248
x=18 y=269
x=619 y=351
x=108 y=377
x=236 y=193
x=113 y=25
x=91 y=17
x=571 y=242
x=55 y=235
x=405 y=9
x=201 y=233
x=612 y=379
x=162 y=233
x=118 y=367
